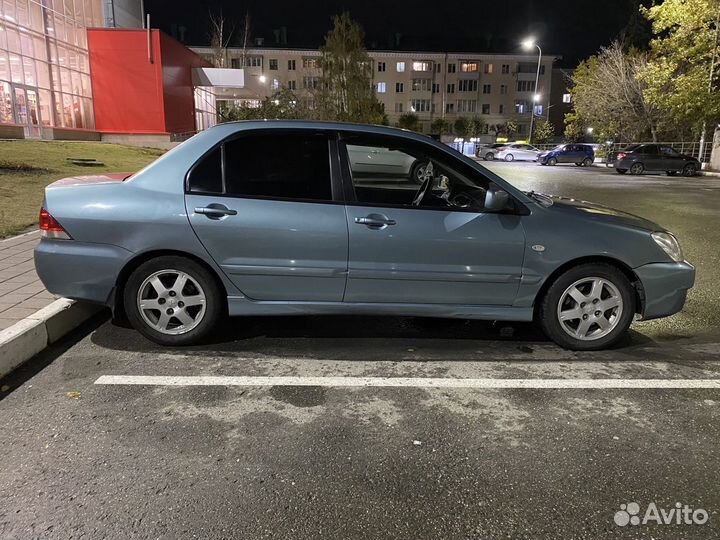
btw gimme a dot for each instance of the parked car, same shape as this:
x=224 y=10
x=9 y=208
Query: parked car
x=655 y=157
x=384 y=164
x=517 y=151
x=579 y=154
x=487 y=151
x=275 y=218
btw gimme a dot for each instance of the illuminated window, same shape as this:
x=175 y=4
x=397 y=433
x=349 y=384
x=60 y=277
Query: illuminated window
x=381 y=88
x=422 y=66
x=468 y=67
x=400 y=67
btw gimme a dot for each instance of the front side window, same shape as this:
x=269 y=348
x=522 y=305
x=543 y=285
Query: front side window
x=276 y=166
x=394 y=172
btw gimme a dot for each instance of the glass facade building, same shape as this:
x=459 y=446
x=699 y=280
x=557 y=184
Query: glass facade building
x=44 y=66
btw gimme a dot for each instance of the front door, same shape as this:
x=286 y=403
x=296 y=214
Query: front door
x=263 y=206
x=27 y=111
x=444 y=250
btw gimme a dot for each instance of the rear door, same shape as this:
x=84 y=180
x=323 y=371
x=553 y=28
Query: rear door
x=267 y=207
x=650 y=157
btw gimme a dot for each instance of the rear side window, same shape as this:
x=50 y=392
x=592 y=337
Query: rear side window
x=282 y=166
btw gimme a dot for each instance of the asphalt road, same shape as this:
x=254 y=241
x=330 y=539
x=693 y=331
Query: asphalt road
x=86 y=460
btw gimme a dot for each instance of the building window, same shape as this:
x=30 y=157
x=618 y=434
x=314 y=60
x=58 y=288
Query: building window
x=381 y=88
x=566 y=98
x=381 y=67
x=310 y=82
x=527 y=67
x=450 y=108
x=451 y=68
x=522 y=106
x=488 y=69
x=501 y=109
x=421 y=66
x=291 y=65
x=485 y=108
x=400 y=67
x=420 y=105
x=438 y=68
x=275 y=84
x=526 y=86
x=503 y=89
x=486 y=88
x=253 y=61
x=421 y=85
x=467 y=85
x=467 y=105
x=505 y=69
x=398 y=107
x=273 y=64
x=451 y=88
x=235 y=63
x=468 y=67
x=399 y=88
x=311 y=63
x=538 y=110
x=436 y=88
x=292 y=85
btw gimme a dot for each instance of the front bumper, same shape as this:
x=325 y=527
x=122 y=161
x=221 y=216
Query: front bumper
x=79 y=270
x=665 y=287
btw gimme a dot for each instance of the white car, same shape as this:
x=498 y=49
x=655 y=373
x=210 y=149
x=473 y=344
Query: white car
x=519 y=151
x=384 y=163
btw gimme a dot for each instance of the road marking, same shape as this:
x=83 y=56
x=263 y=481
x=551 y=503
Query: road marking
x=411 y=382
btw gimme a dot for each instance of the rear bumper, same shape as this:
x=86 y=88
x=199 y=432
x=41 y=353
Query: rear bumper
x=665 y=287
x=79 y=270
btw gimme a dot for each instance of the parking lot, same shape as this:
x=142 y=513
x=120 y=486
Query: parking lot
x=380 y=427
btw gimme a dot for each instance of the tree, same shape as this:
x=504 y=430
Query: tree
x=543 y=131
x=283 y=105
x=608 y=94
x=476 y=126
x=505 y=130
x=440 y=126
x=461 y=127
x=220 y=35
x=409 y=121
x=346 y=92
x=573 y=127
x=683 y=77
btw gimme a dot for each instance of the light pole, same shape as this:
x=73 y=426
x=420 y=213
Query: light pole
x=528 y=44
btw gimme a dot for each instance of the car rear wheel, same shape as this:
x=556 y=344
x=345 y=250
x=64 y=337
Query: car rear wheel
x=417 y=172
x=587 y=162
x=509 y=157
x=552 y=161
x=637 y=168
x=621 y=171
x=173 y=301
x=589 y=307
x=489 y=156
x=689 y=170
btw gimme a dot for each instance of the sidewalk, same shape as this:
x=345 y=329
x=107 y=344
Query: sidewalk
x=21 y=292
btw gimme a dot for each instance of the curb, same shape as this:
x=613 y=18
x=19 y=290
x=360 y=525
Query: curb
x=28 y=337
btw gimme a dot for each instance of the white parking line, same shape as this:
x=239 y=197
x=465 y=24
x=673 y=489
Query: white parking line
x=410 y=382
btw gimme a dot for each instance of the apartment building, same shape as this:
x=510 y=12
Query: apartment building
x=495 y=87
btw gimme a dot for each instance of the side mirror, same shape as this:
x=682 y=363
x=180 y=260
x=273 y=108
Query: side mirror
x=496 y=200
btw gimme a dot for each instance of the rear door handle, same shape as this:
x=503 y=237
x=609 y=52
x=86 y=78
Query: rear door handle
x=375 y=221
x=215 y=211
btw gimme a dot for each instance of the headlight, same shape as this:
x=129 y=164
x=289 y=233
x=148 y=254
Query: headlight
x=669 y=244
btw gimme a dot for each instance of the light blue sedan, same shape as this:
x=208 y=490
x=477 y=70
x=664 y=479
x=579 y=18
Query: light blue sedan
x=277 y=218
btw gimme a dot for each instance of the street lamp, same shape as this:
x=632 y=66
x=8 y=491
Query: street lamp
x=528 y=44
x=262 y=79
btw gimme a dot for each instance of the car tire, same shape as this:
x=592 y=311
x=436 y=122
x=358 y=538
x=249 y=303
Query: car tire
x=200 y=288
x=552 y=161
x=509 y=157
x=558 y=306
x=587 y=162
x=621 y=171
x=637 y=168
x=489 y=156
x=689 y=170
x=415 y=170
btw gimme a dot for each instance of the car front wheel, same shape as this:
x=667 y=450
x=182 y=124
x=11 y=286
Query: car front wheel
x=489 y=156
x=509 y=157
x=173 y=301
x=552 y=161
x=689 y=170
x=589 y=307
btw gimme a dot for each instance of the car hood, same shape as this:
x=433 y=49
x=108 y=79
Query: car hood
x=598 y=212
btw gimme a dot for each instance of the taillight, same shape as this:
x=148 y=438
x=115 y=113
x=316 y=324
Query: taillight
x=621 y=155
x=50 y=227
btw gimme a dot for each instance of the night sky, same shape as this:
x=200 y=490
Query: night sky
x=574 y=29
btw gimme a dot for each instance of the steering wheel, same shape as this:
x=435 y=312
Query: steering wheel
x=427 y=176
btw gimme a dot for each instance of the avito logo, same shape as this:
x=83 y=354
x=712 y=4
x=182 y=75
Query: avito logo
x=681 y=514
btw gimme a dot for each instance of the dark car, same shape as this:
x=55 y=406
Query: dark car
x=638 y=158
x=579 y=154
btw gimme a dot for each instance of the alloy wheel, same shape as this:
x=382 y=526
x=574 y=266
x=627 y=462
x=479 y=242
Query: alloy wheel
x=171 y=302
x=590 y=308
x=637 y=168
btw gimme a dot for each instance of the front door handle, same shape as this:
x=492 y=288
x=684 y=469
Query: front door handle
x=375 y=221
x=215 y=211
